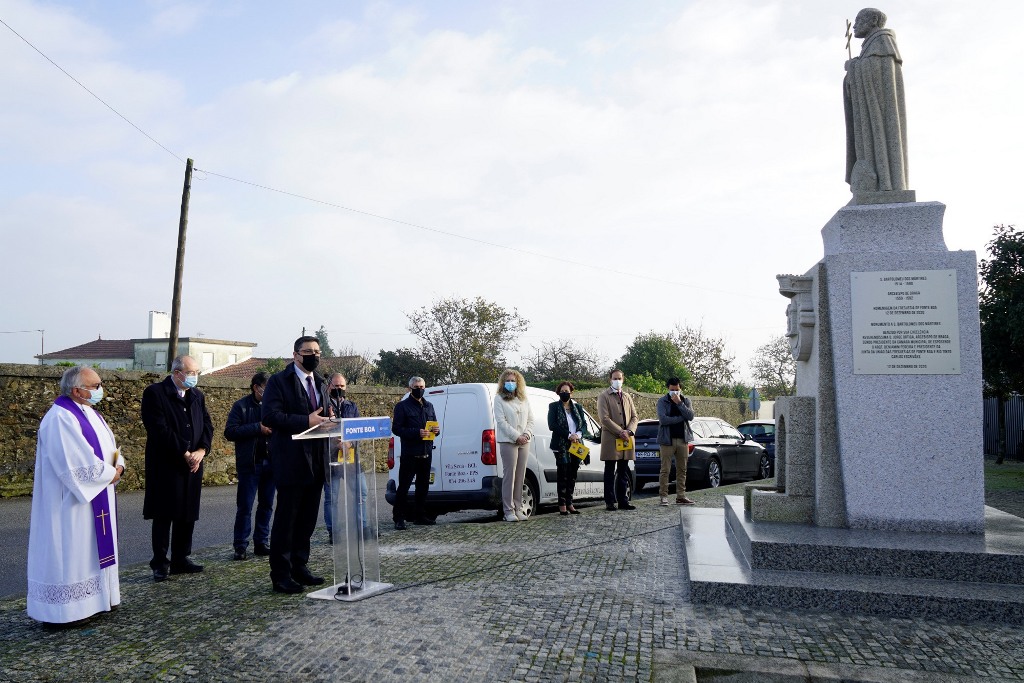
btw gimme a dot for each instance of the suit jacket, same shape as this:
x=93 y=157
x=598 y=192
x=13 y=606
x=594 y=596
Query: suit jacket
x=614 y=417
x=173 y=425
x=286 y=411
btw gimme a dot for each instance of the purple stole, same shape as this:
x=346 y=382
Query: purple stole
x=101 y=503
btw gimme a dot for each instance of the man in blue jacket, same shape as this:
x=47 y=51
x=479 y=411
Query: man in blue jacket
x=674 y=437
x=252 y=464
x=409 y=424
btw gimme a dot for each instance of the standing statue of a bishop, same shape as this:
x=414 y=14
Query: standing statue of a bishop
x=876 y=115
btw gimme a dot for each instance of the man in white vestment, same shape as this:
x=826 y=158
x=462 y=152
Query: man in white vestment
x=72 y=544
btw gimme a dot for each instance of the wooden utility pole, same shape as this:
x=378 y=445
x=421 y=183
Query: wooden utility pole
x=179 y=266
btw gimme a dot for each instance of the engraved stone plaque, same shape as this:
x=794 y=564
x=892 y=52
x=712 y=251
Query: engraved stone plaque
x=905 y=323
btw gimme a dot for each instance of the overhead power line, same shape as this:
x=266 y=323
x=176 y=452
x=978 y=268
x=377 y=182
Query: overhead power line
x=97 y=97
x=418 y=226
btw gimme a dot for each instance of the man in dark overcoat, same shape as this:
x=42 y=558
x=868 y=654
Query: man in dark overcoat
x=179 y=433
x=292 y=403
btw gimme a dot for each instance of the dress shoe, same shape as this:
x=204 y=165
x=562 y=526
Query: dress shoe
x=186 y=566
x=627 y=506
x=610 y=508
x=287 y=586
x=684 y=501
x=563 y=511
x=425 y=521
x=262 y=550
x=574 y=511
x=303 y=577
x=160 y=575
x=239 y=555
x=400 y=526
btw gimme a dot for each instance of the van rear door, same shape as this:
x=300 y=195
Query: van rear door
x=439 y=399
x=457 y=457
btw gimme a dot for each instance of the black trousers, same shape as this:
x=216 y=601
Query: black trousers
x=180 y=542
x=294 y=521
x=616 y=481
x=566 y=477
x=417 y=468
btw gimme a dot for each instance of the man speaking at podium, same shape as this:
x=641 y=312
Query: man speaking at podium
x=292 y=404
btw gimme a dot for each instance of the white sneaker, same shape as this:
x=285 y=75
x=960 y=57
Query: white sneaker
x=664 y=500
x=522 y=516
x=511 y=517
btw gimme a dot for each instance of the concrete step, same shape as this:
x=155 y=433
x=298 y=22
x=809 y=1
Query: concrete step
x=997 y=556
x=720 y=574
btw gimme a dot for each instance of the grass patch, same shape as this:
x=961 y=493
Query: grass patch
x=1006 y=477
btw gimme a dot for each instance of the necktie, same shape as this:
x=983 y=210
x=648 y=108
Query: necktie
x=311 y=394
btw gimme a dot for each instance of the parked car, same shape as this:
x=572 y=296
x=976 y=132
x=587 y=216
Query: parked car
x=466 y=472
x=763 y=432
x=718 y=452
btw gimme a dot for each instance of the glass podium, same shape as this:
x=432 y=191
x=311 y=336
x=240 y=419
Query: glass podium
x=356 y=551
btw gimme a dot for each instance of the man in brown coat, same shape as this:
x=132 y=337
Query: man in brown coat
x=618 y=418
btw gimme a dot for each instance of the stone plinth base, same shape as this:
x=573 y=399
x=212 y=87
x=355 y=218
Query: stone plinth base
x=733 y=561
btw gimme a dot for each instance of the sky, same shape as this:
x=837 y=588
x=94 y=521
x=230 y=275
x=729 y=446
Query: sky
x=607 y=169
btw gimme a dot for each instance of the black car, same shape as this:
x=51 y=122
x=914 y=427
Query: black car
x=718 y=452
x=763 y=432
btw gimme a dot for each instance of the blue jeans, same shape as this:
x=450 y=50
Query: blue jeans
x=332 y=489
x=250 y=485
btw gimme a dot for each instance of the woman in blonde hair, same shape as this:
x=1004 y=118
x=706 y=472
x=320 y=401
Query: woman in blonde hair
x=514 y=422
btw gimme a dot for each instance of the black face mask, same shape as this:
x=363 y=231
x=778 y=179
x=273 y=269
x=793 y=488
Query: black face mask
x=416 y=393
x=337 y=393
x=564 y=395
x=310 y=363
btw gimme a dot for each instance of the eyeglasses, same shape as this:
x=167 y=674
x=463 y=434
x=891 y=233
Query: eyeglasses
x=88 y=388
x=307 y=354
x=194 y=373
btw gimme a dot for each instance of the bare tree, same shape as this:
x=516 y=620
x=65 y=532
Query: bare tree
x=774 y=368
x=466 y=339
x=710 y=365
x=560 y=359
x=351 y=363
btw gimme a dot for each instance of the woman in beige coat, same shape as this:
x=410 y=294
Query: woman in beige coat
x=513 y=421
x=618 y=418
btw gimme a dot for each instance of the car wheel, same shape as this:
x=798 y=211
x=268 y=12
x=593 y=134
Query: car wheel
x=713 y=475
x=531 y=496
x=765 y=470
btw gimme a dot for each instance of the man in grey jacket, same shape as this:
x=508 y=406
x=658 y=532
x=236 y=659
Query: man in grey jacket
x=674 y=435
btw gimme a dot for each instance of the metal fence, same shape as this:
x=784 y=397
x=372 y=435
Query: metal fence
x=1013 y=416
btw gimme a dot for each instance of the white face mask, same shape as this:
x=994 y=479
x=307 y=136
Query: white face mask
x=616 y=384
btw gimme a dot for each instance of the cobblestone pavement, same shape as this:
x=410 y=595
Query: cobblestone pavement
x=583 y=598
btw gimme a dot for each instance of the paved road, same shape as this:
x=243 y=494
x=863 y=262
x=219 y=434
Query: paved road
x=598 y=597
x=214 y=528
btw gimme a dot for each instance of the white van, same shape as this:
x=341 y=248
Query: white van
x=466 y=472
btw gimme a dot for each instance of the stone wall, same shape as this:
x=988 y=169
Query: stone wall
x=28 y=391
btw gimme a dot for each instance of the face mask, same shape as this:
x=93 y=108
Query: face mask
x=564 y=395
x=191 y=381
x=337 y=393
x=310 y=363
x=95 y=395
x=416 y=393
x=510 y=387
x=616 y=384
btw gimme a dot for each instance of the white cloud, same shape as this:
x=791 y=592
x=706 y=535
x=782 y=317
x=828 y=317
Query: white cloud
x=706 y=150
